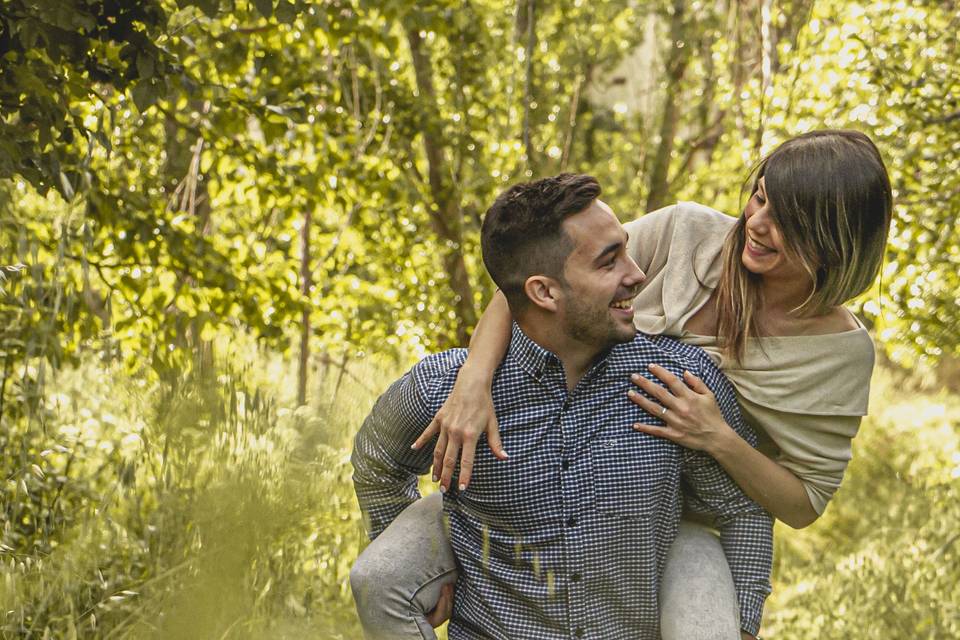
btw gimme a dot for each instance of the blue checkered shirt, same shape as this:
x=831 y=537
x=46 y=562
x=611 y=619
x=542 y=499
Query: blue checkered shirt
x=567 y=538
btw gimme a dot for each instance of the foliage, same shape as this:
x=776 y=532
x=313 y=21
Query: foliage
x=145 y=513
x=258 y=166
x=883 y=561
x=55 y=55
x=178 y=179
x=203 y=511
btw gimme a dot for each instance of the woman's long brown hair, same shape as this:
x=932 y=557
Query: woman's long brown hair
x=830 y=198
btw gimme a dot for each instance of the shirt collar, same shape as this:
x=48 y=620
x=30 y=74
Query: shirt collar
x=536 y=360
x=531 y=357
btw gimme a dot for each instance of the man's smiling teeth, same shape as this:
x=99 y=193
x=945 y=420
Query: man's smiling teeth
x=626 y=303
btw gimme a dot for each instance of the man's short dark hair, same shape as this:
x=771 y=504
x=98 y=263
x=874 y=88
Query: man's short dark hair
x=522 y=232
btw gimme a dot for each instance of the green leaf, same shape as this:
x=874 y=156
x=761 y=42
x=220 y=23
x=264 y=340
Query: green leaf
x=265 y=7
x=145 y=65
x=209 y=7
x=144 y=95
x=286 y=11
x=65 y=186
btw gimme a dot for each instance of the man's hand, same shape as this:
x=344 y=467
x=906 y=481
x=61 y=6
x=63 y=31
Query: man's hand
x=441 y=612
x=746 y=636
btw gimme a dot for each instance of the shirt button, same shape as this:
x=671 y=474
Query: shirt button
x=565 y=464
x=572 y=521
x=575 y=577
x=578 y=632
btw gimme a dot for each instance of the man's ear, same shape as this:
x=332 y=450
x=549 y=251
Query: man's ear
x=543 y=292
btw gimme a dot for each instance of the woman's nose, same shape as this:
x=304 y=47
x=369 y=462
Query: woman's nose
x=635 y=275
x=759 y=219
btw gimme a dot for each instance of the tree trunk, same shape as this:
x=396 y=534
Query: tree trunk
x=659 y=180
x=767 y=52
x=529 y=47
x=445 y=214
x=305 y=284
x=182 y=168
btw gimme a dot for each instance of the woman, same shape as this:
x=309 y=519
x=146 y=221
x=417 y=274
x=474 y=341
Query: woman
x=763 y=295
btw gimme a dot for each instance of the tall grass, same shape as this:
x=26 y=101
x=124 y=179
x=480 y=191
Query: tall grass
x=213 y=508
x=206 y=509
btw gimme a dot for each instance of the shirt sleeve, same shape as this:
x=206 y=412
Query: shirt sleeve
x=385 y=468
x=746 y=529
x=816 y=448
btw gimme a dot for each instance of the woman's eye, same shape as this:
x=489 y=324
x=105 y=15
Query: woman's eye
x=759 y=197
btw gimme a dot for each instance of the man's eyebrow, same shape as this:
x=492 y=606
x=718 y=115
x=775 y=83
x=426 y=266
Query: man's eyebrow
x=613 y=247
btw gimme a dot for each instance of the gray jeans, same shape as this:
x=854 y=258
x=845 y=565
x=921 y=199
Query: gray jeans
x=397 y=580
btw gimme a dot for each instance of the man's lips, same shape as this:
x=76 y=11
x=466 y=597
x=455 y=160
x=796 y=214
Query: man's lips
x=623 y=305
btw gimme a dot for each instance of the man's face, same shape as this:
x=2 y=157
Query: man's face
x=601 y=279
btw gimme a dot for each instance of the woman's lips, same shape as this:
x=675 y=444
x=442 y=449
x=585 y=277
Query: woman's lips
x=757 y=249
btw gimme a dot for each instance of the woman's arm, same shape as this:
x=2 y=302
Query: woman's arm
x=468 y=411
x=693 y=420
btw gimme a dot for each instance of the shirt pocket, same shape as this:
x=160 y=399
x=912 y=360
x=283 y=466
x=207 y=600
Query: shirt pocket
x=637 y=475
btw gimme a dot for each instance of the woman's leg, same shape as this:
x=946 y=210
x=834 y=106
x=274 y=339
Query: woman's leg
x=697 y=597
x=396 y=581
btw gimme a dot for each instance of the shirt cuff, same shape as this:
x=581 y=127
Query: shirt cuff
x=751 y=612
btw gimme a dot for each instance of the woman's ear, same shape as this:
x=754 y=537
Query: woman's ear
x=543 y=292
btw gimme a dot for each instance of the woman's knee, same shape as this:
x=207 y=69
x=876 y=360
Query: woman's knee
x=376 y=576
x=411 y=552
x=698 y=598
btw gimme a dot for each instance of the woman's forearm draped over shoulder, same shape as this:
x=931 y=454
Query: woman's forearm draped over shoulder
x=489 y=342
x=468 y=411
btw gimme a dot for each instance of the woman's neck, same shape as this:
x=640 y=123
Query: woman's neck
x=781 y=296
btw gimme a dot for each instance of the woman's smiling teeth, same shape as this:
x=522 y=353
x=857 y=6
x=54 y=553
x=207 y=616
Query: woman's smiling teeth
x=756 y=246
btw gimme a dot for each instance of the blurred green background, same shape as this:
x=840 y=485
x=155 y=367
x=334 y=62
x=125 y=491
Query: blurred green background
x=227 y=225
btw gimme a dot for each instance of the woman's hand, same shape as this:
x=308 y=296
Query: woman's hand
x=687 y=407
x=467 y=413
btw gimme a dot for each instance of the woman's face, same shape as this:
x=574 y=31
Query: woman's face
x=763 y=251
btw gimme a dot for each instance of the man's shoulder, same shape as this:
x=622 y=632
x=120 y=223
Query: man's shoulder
x=660 y=348
x=437 y=372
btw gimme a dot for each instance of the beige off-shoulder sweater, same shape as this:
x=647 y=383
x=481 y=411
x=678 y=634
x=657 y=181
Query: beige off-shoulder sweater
x=804 y=395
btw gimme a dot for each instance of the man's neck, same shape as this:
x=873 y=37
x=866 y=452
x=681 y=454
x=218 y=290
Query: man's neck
x=576 y=357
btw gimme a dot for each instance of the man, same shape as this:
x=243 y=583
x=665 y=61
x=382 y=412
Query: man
x=567 y=538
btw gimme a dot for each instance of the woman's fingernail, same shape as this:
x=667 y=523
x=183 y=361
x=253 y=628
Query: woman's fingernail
x=435 y=477
x=443 y=489
x=463 y=487
x=634 y=376
x=631 y=393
